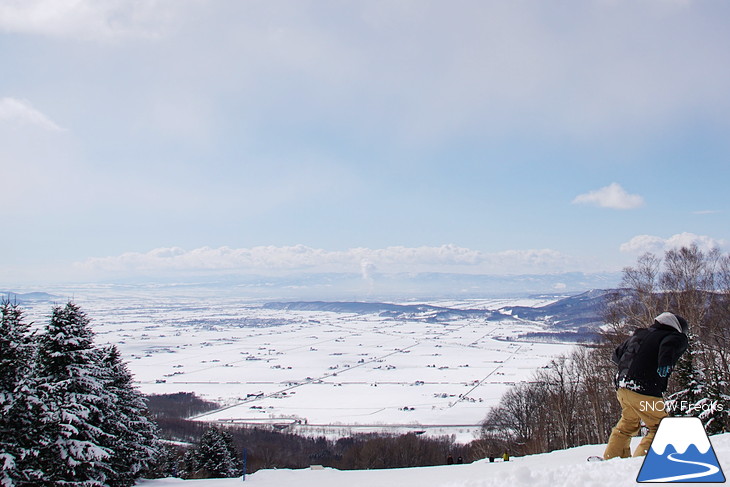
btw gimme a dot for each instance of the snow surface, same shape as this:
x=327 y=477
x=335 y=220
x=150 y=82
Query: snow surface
x=321 y=373
x=567 y=468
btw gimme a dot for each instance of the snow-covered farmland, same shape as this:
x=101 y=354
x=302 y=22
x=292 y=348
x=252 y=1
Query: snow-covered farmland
x=324 y=372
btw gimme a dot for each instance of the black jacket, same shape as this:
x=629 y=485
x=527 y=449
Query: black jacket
x=646 y=350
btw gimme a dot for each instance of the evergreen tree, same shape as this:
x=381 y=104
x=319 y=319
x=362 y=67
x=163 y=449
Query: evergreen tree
x=228 y=440
x=713 y=410
x=18 y=401
x=214 y=458
x=72 y=386
x=190 y=463
x=691 y=381
x=134 y=442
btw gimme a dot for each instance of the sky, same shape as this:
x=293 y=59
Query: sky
x=172 y=137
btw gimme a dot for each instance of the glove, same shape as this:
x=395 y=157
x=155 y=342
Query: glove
x=664 y=370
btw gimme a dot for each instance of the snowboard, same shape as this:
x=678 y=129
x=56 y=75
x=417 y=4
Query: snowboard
x=594 y=459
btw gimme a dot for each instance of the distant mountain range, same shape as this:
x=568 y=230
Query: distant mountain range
x=383 y=287
x=27 y=297
x=425 y=311
x=573 y=318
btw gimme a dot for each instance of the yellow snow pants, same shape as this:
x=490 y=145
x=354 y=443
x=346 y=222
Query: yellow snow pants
x=635 y=409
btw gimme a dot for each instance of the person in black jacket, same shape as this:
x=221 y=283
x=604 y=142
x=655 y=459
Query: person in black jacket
x=645 y=362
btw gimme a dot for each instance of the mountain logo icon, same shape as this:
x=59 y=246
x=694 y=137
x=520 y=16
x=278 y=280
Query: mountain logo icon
x=681 y=452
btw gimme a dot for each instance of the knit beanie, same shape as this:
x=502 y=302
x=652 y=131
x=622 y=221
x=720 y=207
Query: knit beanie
x=675 y=321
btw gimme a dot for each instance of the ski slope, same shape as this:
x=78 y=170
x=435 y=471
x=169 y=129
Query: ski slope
x=567 y=468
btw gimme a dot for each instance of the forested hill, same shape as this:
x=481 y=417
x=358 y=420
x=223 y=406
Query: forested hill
x=386 y=310
x=582 y=311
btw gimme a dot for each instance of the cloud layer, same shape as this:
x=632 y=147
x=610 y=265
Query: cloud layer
x=85 y=19
x=612 y=196
x=16 y=111
x=301 y=258
x=657 y=245
x=359 y=126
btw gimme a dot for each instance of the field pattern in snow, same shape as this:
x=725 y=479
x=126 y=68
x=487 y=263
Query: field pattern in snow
x=320 y=372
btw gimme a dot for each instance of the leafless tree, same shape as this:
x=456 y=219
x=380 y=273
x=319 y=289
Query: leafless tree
x=572 y=401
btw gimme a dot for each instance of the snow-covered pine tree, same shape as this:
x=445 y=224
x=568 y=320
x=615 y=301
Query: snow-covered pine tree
x=689 y=379
x=72 y=386
x=713 y=409
x=228 y=440
x=18 y=400
x=700 y=394
x=134 y=441
x=190 y=463
x=213 y=456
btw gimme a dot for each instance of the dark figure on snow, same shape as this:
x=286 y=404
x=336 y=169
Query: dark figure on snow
x=645 y=362
x=449 y=460
x=459 y=460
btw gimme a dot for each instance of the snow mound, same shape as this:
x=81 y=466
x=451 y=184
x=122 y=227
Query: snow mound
x=564 y=468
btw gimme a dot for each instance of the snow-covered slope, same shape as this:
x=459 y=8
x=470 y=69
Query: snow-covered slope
x=561 y=468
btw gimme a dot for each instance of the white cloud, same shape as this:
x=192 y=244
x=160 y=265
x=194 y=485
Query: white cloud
x=653 y=244
x=500 y=60
x=642 y=244
x=20 y=111
x=612 y=196
x=83 y=19
x=301 y=258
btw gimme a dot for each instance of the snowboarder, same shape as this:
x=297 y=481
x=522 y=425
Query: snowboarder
x=645 y=361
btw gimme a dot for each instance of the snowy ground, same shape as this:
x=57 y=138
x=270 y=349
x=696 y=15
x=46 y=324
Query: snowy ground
x=566 y=468
x=321 y=373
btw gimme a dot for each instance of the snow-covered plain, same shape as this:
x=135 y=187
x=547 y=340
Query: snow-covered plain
x=565 y=468
x=321 y=373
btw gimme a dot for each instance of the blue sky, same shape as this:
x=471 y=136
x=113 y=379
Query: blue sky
x=179 y=136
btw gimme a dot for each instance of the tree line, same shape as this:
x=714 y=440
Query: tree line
x=70 y=412
x=571 y=402
x=201 y=450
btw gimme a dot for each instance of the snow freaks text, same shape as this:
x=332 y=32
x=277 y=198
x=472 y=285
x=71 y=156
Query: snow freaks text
x=683 y=407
